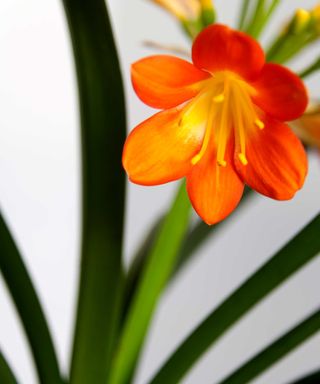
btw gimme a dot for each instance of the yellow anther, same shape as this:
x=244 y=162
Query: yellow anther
x=259 y=123
x=219 y=98
x=222 y=163
x=243 y=158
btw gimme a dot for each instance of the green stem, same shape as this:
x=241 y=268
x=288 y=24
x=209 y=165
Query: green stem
x=299 y=251
x=102 y=132
x=259 y=27
x=6 y=374
x=29 y=308
x=154 y=278
x=243 y=14
x=290 y=48
x=275 y=351
x=196 y=236
x=257 y=18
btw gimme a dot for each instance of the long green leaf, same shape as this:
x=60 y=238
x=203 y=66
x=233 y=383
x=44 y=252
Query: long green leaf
x=195 y=237
x=29 y=308
x=102 y=132
x=6 y=374
x=299 y=251
x=312 y=378
x=155 y=275
x=275 y=351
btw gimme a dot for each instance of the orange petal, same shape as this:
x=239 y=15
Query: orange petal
x=166 y=81
x=160 y=149
x=214 y=191
x=219 y=48
x=277 y=162
x=280 y=93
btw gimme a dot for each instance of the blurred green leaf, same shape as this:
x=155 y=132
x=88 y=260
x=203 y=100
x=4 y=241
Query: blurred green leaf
x=312 y=378
x=6 y=374
x=155 y=275
x=195 y=237
x=102 y=132
x=244 y=13
x=293 y=256
x=275 y=351
x=29 y=308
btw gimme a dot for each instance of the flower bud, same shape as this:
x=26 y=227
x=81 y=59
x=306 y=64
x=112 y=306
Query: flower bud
x=208 y=14
x=184 y=10
x=308 y=126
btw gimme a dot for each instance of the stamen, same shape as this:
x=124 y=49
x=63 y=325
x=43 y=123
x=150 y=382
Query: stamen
x=241 y=107
x=219 y=98
x=259 y=123
x=243 y=158
x=206 y=138
x=223 y=127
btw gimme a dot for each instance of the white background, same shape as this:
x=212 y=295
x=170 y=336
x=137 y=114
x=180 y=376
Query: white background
x=40 y=197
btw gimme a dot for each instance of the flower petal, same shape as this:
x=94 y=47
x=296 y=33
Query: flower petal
x=219 y=48
x=280 y=93
x=214 y=191
x=160 y=149
x=166 y=81
x=277 y=162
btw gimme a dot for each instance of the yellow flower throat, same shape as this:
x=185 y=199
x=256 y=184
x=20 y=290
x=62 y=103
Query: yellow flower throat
x=229 y=109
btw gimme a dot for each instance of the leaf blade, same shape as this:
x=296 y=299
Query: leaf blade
x=295 y=254
x=275 y=351
x=28 y=305
x=6 y=374
x=103 y=130
x=157 y=271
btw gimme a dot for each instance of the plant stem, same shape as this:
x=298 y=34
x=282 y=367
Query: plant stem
x=243 y=14
x=102 y=112
x=29 y=308
x=257 y=18
x=156 y=273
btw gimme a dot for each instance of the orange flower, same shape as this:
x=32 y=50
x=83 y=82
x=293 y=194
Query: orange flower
x=222 y=124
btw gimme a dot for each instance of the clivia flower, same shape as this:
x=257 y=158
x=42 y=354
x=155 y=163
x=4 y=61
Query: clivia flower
x=222 y=124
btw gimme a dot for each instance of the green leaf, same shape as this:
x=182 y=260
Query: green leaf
x=201 y=232
x=196 y=236
x=313 y=378
x=136 y=267
x=6 y=374
x=154 y=277
x=29 y=308
x=275 y=351
x=299 y=251
x=102 y=133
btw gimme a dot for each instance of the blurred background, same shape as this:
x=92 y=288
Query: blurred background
x=40 y=198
